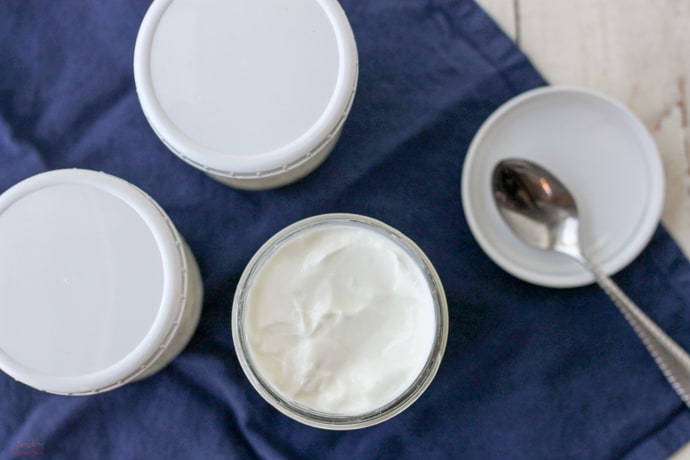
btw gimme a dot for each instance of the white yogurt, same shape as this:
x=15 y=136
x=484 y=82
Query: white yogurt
x=339 y=318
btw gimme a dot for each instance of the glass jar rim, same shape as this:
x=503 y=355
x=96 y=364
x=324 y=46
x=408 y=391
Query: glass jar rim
x=305 y=414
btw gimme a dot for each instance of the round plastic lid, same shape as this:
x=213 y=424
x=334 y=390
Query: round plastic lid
x=85 y=280
x=245 y=87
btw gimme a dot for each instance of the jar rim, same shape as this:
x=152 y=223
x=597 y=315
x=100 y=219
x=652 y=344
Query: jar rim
x=305 y=414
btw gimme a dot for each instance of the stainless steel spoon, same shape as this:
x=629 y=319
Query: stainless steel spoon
x=542 y=212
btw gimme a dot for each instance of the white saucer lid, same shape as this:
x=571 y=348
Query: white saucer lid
x=599 y=149
x=89 y=280
x=240 y=88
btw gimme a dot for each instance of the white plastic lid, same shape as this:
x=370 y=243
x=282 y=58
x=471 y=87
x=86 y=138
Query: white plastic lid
x=245 y=88
x=89 y=281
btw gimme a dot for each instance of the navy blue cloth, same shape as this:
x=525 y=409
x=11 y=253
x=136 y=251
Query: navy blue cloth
x=529 y=372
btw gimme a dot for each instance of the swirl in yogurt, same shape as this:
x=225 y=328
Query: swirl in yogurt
x=340 y=319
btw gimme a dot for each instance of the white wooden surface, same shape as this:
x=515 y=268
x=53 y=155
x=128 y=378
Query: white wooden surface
x=637 y=51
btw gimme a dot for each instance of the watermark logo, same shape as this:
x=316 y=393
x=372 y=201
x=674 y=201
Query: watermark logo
x=28 y=448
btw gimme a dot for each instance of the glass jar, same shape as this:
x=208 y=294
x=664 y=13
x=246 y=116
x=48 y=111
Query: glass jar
x=254 y=93
x=97 y=287
x=335 y=310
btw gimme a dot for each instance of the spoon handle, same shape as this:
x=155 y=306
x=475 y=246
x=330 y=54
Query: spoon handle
x=673 y=361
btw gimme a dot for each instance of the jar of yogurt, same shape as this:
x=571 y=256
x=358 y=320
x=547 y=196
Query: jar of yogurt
x=97 y=287
x=254 y=93
x=340 y=321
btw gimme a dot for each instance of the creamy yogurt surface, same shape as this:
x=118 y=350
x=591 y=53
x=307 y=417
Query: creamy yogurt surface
x=339 y=319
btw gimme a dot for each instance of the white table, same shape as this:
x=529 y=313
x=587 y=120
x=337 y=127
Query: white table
x=637 y=51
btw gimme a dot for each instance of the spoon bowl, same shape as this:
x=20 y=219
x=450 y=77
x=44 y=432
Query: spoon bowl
x=535 y=204
x=541 y=211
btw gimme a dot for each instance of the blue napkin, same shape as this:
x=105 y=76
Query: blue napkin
x=529 y=372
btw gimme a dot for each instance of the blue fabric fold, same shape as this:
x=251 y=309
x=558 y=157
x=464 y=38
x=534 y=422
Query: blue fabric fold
x=529 y=372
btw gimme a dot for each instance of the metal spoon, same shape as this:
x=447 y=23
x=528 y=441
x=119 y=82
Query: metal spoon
x=542 y=212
